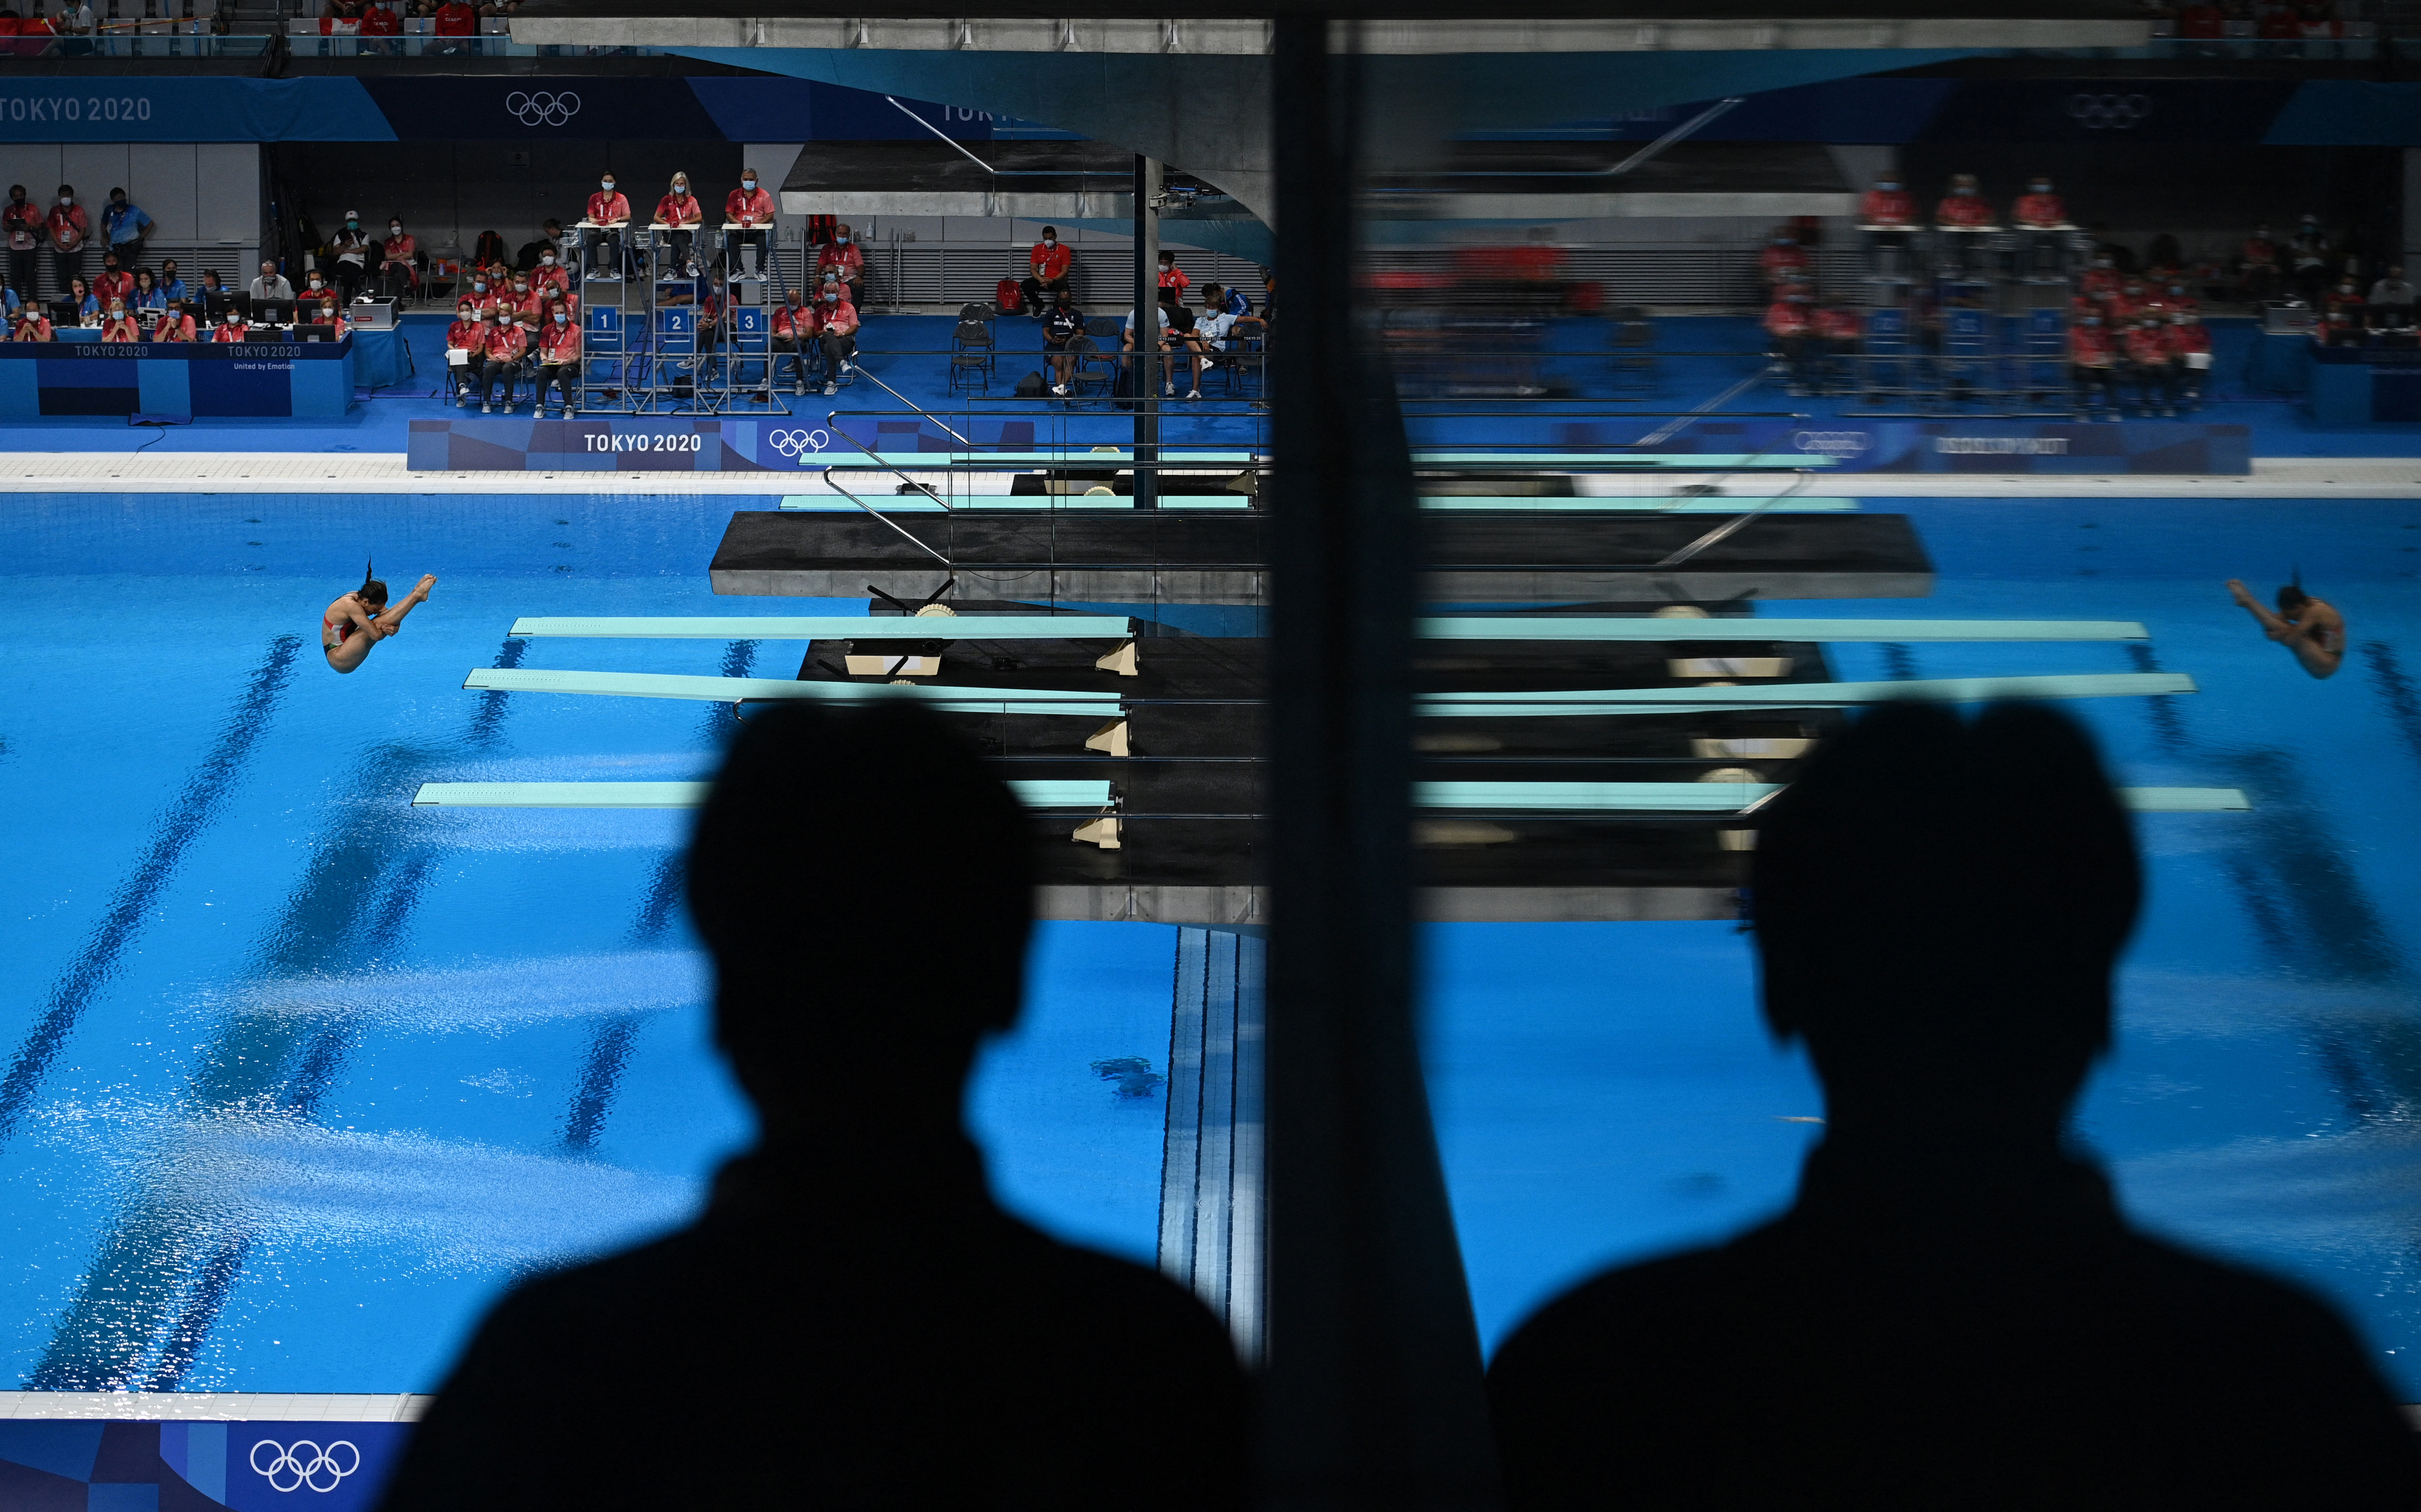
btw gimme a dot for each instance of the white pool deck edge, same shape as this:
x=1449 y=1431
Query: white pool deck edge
x=218 y=1407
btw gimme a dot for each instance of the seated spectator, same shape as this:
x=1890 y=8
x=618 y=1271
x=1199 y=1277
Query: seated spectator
x=2039 y=208
x=550 y=238
x=838 y=322
x=468 y=338
x=455 y=17
x=1839 y=336
x=1783 y=261
x=508 y=348
x=796 y=330
x=2151 y=365
x=680 y=213
x=2092 y=361
x=2190 y=349
x=328 y=312
x=2201 y=20
x=81 y=299
x=858 y=1238
x=271 y=285
x=123 y=228
x=397 y=276
x=2127 y=304
x=609 y=210
x=1789 y=327
x=176 y=323
x=558 y=357
x=354 y=253
x=2170 y=296
x=1049 y=261
x=1173 y=282
x=145 y=298
x=211 y=289
x=2341 y=322
x=521 y=299
x=1127 y=334
x=1063 y=324
x=842 y=258
x=1887 y=204
x=314 y=285
x=1939 y=907
x=378 y=21
x=32 y=325
x=751 y=209
x=113 y=281
x=1184 y=340
x=118 y=324
x=170 y=283
x=234 y=327
x=2391 y=301
x=2259 y=263
x=1217 y=299
x=340 y=18
x=1218 y=317
x=485 y=294
x=2310 y=257
x=1964 y=207
x=550 y=274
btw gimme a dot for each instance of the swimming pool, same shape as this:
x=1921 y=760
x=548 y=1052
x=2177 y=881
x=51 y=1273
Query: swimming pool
x=301 y=1076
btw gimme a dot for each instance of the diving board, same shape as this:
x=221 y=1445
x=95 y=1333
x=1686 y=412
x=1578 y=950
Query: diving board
x=1499 y=503
x=1729 y=797
x=1716 y=699
x=1034 y=793
x=833 y=628
x=1648 y=627
x=740 y=689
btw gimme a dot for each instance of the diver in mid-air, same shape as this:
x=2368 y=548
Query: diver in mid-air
x=2314 y=630
x=359 y=620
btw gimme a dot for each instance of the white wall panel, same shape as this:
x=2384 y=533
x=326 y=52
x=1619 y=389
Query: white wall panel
x=160 y=177
x=93 y=167
x=35 y=165
x=226 y=192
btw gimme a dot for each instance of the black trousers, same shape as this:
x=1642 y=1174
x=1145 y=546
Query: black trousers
x=737 y=239
x=564 y=377
x=496 y=370
x=25 y=272
x=1042 y=294
x=65 y=266
x=2087 y=383
x=799 y=356
x=470 y=376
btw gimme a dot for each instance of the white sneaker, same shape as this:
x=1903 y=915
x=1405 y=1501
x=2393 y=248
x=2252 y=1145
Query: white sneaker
x=799 y=389
x=1168 y=391
x=1194 y=394
x=1059 y=388
x=487 y=408
x=849 y=367
x=461 y=401
x=831 y=388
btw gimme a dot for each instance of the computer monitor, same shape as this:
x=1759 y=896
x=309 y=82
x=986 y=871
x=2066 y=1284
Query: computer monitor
x=64 y=312
x=216 y=302
x=315 y=332
x=272 y=311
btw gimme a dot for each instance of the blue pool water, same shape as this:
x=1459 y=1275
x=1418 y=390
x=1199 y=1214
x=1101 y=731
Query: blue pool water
x=301 y=1076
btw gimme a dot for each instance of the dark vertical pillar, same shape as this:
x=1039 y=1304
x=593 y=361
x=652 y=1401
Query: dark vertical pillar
x=1147 y=330
x=1373 y=1391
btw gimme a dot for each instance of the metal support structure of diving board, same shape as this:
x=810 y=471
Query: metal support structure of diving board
x=1449 y=628
x=742 y=689
x=1035 y=794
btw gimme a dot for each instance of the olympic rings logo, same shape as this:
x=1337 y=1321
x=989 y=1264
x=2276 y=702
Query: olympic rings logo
x=542 y=109
x=799 y=443
x=303 y=1464
x=1832 y=442
x=2108 y=113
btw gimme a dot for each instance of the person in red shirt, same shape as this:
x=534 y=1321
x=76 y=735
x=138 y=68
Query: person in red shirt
x=397 y=275
x=2039 y=208
x=2125 y=304
x=468 y=335
x=521 y=299
x=841 y=256
x=558 y=357
x=455 y=17
x=680 y=212
x=2091 y=359
x=175 y=325
x=2257 y=261
x=1788 y=324
x=750 y=207
x=838 y=320
x=1173 y=282
x=1836 y=330
x=1887 y=204
x=2149 y=364
x=1049 y=262
x=32 y=325
x=2201 y=20
x=234 y=327
x=333 y=317
x=487 y=293
x=550 y=276
x=1783 y=261
x=118 y=325
x=796 y=327
x=2100 y=282
x=68 y=228
x=1965 y=206
x=21 y=221
x=508 y=342
x=2190 y=349
x=113 y=282
x=609 y=210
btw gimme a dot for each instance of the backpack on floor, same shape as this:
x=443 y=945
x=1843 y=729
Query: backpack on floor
x=1009 y=296
x=1030 y=386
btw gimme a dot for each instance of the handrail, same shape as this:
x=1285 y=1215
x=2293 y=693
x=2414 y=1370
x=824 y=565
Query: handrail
x=913 y=405
x=833 y=423
x=888 y=521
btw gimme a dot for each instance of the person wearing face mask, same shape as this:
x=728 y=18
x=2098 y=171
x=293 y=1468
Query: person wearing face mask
x=2100 y=282
x=797 y=329
x=22 y=221
x=521 y=299
x=549 y=277
x=271 y=285
x=1173 y=282
x=559 y=358
x=484 y=293
x=1888 y=206
x=354 y=251
x=679 y=214
x=314 y=285
x=2259 y=264
x=2310 y=257
x=124 y=226
x=2092 y=358
x=549 y=239
x=117 y=325
x=2346 y=313
x=1783 y=261
x=838 y=319
x=115 y=282
x=1964 y=208
x=171 y=284
x=330 y=314
x=234 y=327
x=2391 y=301
x=396 y=273
x=2150 y=364
x=1049 y=262
x=68 y=229
x=146 y=299
x=2039 y=208
x=508 y=345
x=609 y=210
x=32 y=325
x=176 y=323
x=466 y=350
x=747 y=211
x=455 y=17
x=841 y=256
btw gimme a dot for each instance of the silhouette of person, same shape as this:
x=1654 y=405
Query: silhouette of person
x=852 y=1321
x=1953 y=1314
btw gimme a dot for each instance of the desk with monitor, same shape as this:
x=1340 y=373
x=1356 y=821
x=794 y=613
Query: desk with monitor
x=293 y=371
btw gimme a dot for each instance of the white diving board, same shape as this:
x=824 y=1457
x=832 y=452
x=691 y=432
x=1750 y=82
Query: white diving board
x=909 y=504
x=834 y=628
x=1499 y=503
x=1033 y=793
x=1648 y=628
x=1731 y=797
x=1550 y=459
x=737 y=689
x=1704 y=699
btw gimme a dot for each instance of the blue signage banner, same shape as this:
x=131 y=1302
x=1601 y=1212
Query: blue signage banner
x=72 y=1465
x=149 y=108
x=124 y=378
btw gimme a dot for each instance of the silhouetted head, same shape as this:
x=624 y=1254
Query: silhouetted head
x=2291 y=598
x=1939 y=905
x=866 y=886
